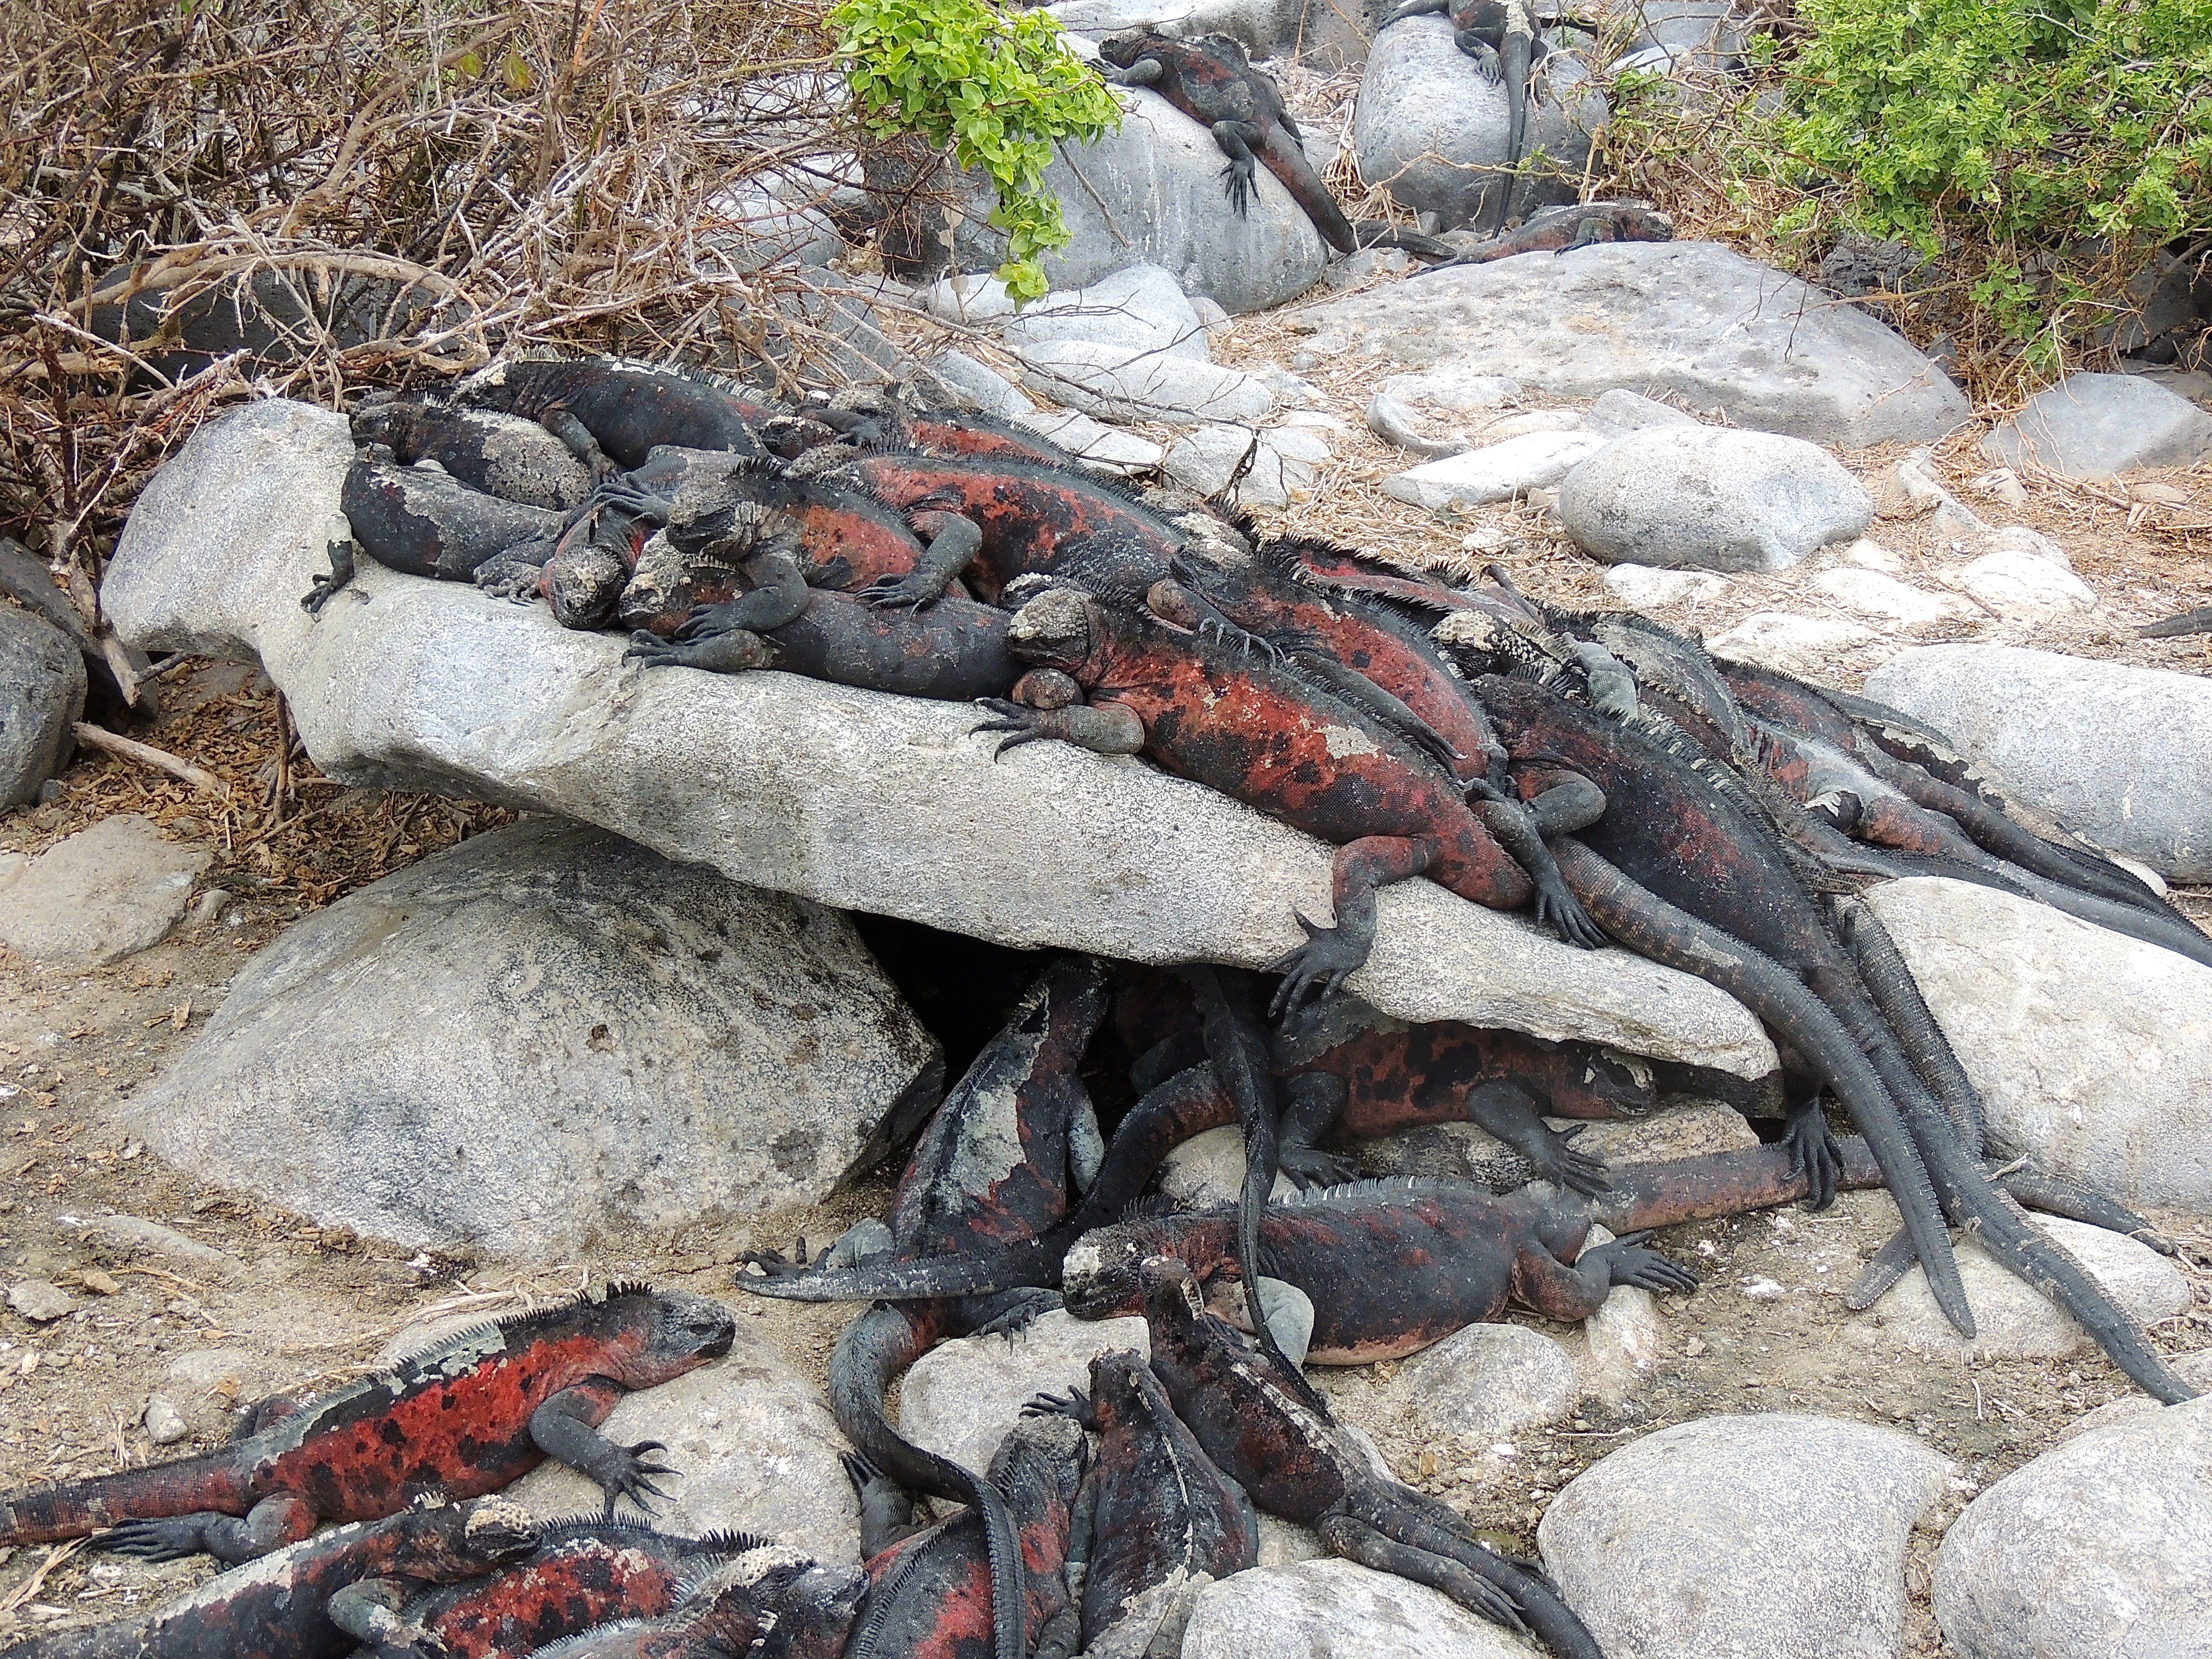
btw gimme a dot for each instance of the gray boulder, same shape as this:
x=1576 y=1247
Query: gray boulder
x=1496 y=472
x=981 y=385
x=1703 y=498
x=2024 y=587
x=26 y=578
x=109 y=890
x=2122 y=756
x=1151 y=194
x=2093 y=1051
x=543 y=1033
x=1487 y=1382
x=1138 y=307
x=1331 y=1609
x=961 y=1397
x=754 y=1448
x=1431 y=130
x=2092 y=426
x=2103 y=1546
x=42 y=686
x=848 y=798
x=1768 y=1533
x=1694 y=318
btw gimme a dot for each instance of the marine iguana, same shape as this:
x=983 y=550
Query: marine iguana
x=626 y=409
x=728 y=1622
x=932 y=1596
x=1258 y=731
x=584 y=1571
x=1563 y=230
x=994 y=1167
x=1210 y=80
x=316 y=1598
x=1296 y=1462
x=418 y=520
x=1159 y=1521
x=487 y=449
x=1694 y=881
x=2198 y=621
x=469 y=1415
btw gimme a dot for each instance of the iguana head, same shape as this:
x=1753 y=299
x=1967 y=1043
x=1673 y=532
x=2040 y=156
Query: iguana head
x=680 y=1333
x=1057 y=628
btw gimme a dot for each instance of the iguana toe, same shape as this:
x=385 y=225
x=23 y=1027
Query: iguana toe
x=153 y=1541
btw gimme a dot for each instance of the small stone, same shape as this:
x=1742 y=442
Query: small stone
x=1207 y=1171
x=1496 y=473
x=165 y=1423
x=1103 y=447
x=1623 y=411
x=968 y=297
x=960 y=1398
x=1795 y=645
x=1140 y=307
x=1487 y=1381
x=1135 y=384
x=1871 y=593
x=2098 y=1547
x=2002 y=483
x=2023 y=588
x=1707 y=498
x=105 y=892
x=208 y=906
x=39 y=1301
x=98 y=1282
x=1645 y=586
x=1769 y=1533
x=1285 y=1543
x=1870 y=554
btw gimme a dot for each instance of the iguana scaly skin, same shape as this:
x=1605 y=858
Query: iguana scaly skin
x=487 y=449
x=1557 y=230
x=932 y=1596
x=469 y=1416
x=1296 y=1463
x=584 y=1571
x=1159 y=1522
x=628 y=409
x=731 y=1622
x=315 y=1598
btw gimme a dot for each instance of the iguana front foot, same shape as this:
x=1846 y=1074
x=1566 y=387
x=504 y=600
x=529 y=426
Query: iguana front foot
x=517 y=580
x=622 y=1472
x=1308 y=1167
x=1559 y=1163
x=1487 y=63
x=1023 y=724
x=717 y=654
x=1627 y=1262
x=1317 y=968
x=1075 y=1404
x=1236 y=180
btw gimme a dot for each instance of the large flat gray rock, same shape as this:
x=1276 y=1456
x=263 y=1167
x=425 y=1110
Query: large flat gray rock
x=1695 y=318
x=849 y=797
x=542 y=1034
x=1770 y=1534
x=2093 y=1051
x=1433 y=130
x=2102 y=1546
x=1151 y=194
x=111 y=890
x=1331 y=1609
x=2120 y=756
x=2092 y=426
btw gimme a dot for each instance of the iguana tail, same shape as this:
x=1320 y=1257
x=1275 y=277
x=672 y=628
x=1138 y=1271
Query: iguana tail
x=1660 y=1194
x=1517 y=57
x=1288 y=163
x=42 y=1515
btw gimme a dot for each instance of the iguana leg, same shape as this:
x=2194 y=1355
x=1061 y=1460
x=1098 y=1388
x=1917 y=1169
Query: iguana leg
x=1312 y=1101
x=717 y=652
x=888 y=1512
x=1144 y=72
x=953 y=542
x=1319 y=966
x=281 y=1519
x=565 y=1428
x=1429 y=1528
x=1592 y=230
x=1813 y=1150
x=1519 y=829
x=1103 y=728
x=517 y=574
x=1487 y=64
x=577 y=438
x=369 y=1610
x=1236 y=139
x=1506 y=1110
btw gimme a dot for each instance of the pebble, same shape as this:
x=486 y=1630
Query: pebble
x=40 y=1301
x=1644 y=587
x=165 y=1423
x=1207 y=1171
x=2092 y=426
x=1774 y=1534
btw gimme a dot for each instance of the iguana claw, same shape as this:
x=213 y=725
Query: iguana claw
x=1316 y=969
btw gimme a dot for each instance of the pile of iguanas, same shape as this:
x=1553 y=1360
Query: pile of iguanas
x=1597 y=769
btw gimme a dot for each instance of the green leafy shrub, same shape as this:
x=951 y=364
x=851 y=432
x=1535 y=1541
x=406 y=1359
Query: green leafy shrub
x=2058 y=142
x=998 y=89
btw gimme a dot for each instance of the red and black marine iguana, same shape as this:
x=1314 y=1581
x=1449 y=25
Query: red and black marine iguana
x=315 y=1598
x=1296 y=1463
x=467 y=1416
x=1210 y=80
